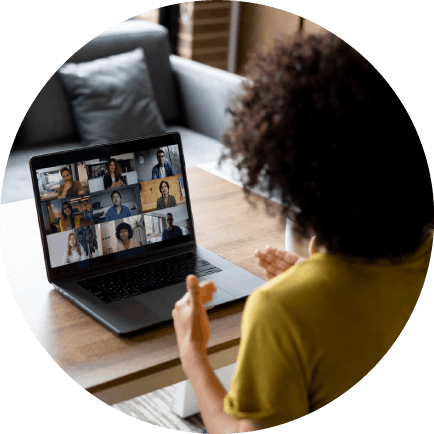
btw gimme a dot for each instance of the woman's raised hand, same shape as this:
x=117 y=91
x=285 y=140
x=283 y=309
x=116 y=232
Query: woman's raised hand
x=275 y=261
x=190 y=318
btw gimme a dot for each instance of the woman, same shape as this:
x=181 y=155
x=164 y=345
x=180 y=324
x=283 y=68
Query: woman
x=124 y=234
x=166 y=200
x=318 y=125
x=68 y=221
x=113 y=177
x=74 y=251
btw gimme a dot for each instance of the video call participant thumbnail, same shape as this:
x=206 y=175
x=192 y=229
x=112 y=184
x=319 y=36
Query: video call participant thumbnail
x=117 y=211
x=74 y=251
x=68 y=221
x=124 y=234
x=171 y=231
x=113 y=177
x=162 y=169
x=87 y=211
x=70 y=187
x=166 y=200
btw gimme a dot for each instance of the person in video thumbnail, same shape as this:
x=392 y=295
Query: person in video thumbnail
x=87 y=211
x=68 y=221
x=124 y=234
x=117 y=211
x=162 y=169
x=70 y=187
x=113 y=178
x=74 y=251
x=166 y=200
x=171 y=231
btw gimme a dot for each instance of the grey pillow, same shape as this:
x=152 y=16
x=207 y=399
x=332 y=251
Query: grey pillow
x=112 y=98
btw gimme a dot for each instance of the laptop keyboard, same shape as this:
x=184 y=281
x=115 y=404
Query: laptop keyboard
x=148 y=277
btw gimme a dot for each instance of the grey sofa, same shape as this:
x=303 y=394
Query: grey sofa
x=192 y=99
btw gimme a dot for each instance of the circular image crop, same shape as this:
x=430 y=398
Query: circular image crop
x=313 y=126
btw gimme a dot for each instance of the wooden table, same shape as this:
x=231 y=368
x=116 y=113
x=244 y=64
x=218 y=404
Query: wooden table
x=113 y=368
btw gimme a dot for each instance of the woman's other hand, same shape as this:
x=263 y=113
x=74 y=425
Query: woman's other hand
x=191 y=320
x=275 y=261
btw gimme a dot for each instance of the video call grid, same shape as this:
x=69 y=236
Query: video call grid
x=144 y=190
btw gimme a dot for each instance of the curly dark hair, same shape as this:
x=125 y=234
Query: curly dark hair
x=161 y=184
x=317 y=125
x=124 y=226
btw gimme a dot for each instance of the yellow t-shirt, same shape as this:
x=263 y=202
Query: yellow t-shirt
x=313 y=332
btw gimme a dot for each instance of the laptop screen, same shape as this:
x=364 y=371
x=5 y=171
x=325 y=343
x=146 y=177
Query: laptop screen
x=116 y=206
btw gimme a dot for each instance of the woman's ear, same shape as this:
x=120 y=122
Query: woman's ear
x=312 y=246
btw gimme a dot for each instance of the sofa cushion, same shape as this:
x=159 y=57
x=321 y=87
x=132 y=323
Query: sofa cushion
x=112 y=98
x=154 y=40
x=205 y=93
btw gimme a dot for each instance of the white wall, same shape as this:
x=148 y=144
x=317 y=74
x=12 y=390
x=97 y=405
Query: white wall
x=57 y=244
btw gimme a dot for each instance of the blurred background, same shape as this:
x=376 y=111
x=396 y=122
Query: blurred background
x=223 y=33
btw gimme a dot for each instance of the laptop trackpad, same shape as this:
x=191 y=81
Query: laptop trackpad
x=134 y=310
x=162 y=300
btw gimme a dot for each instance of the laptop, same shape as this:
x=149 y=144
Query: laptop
x=118 y=234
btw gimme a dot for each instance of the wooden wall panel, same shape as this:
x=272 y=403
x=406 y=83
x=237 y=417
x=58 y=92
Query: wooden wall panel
x=260 y=25
x=258 y=28
x=310 y=27
x=204 y=32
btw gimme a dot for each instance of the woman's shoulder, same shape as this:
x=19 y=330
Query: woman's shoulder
x=309 y=281
x=288 y=295
x=303 y=278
